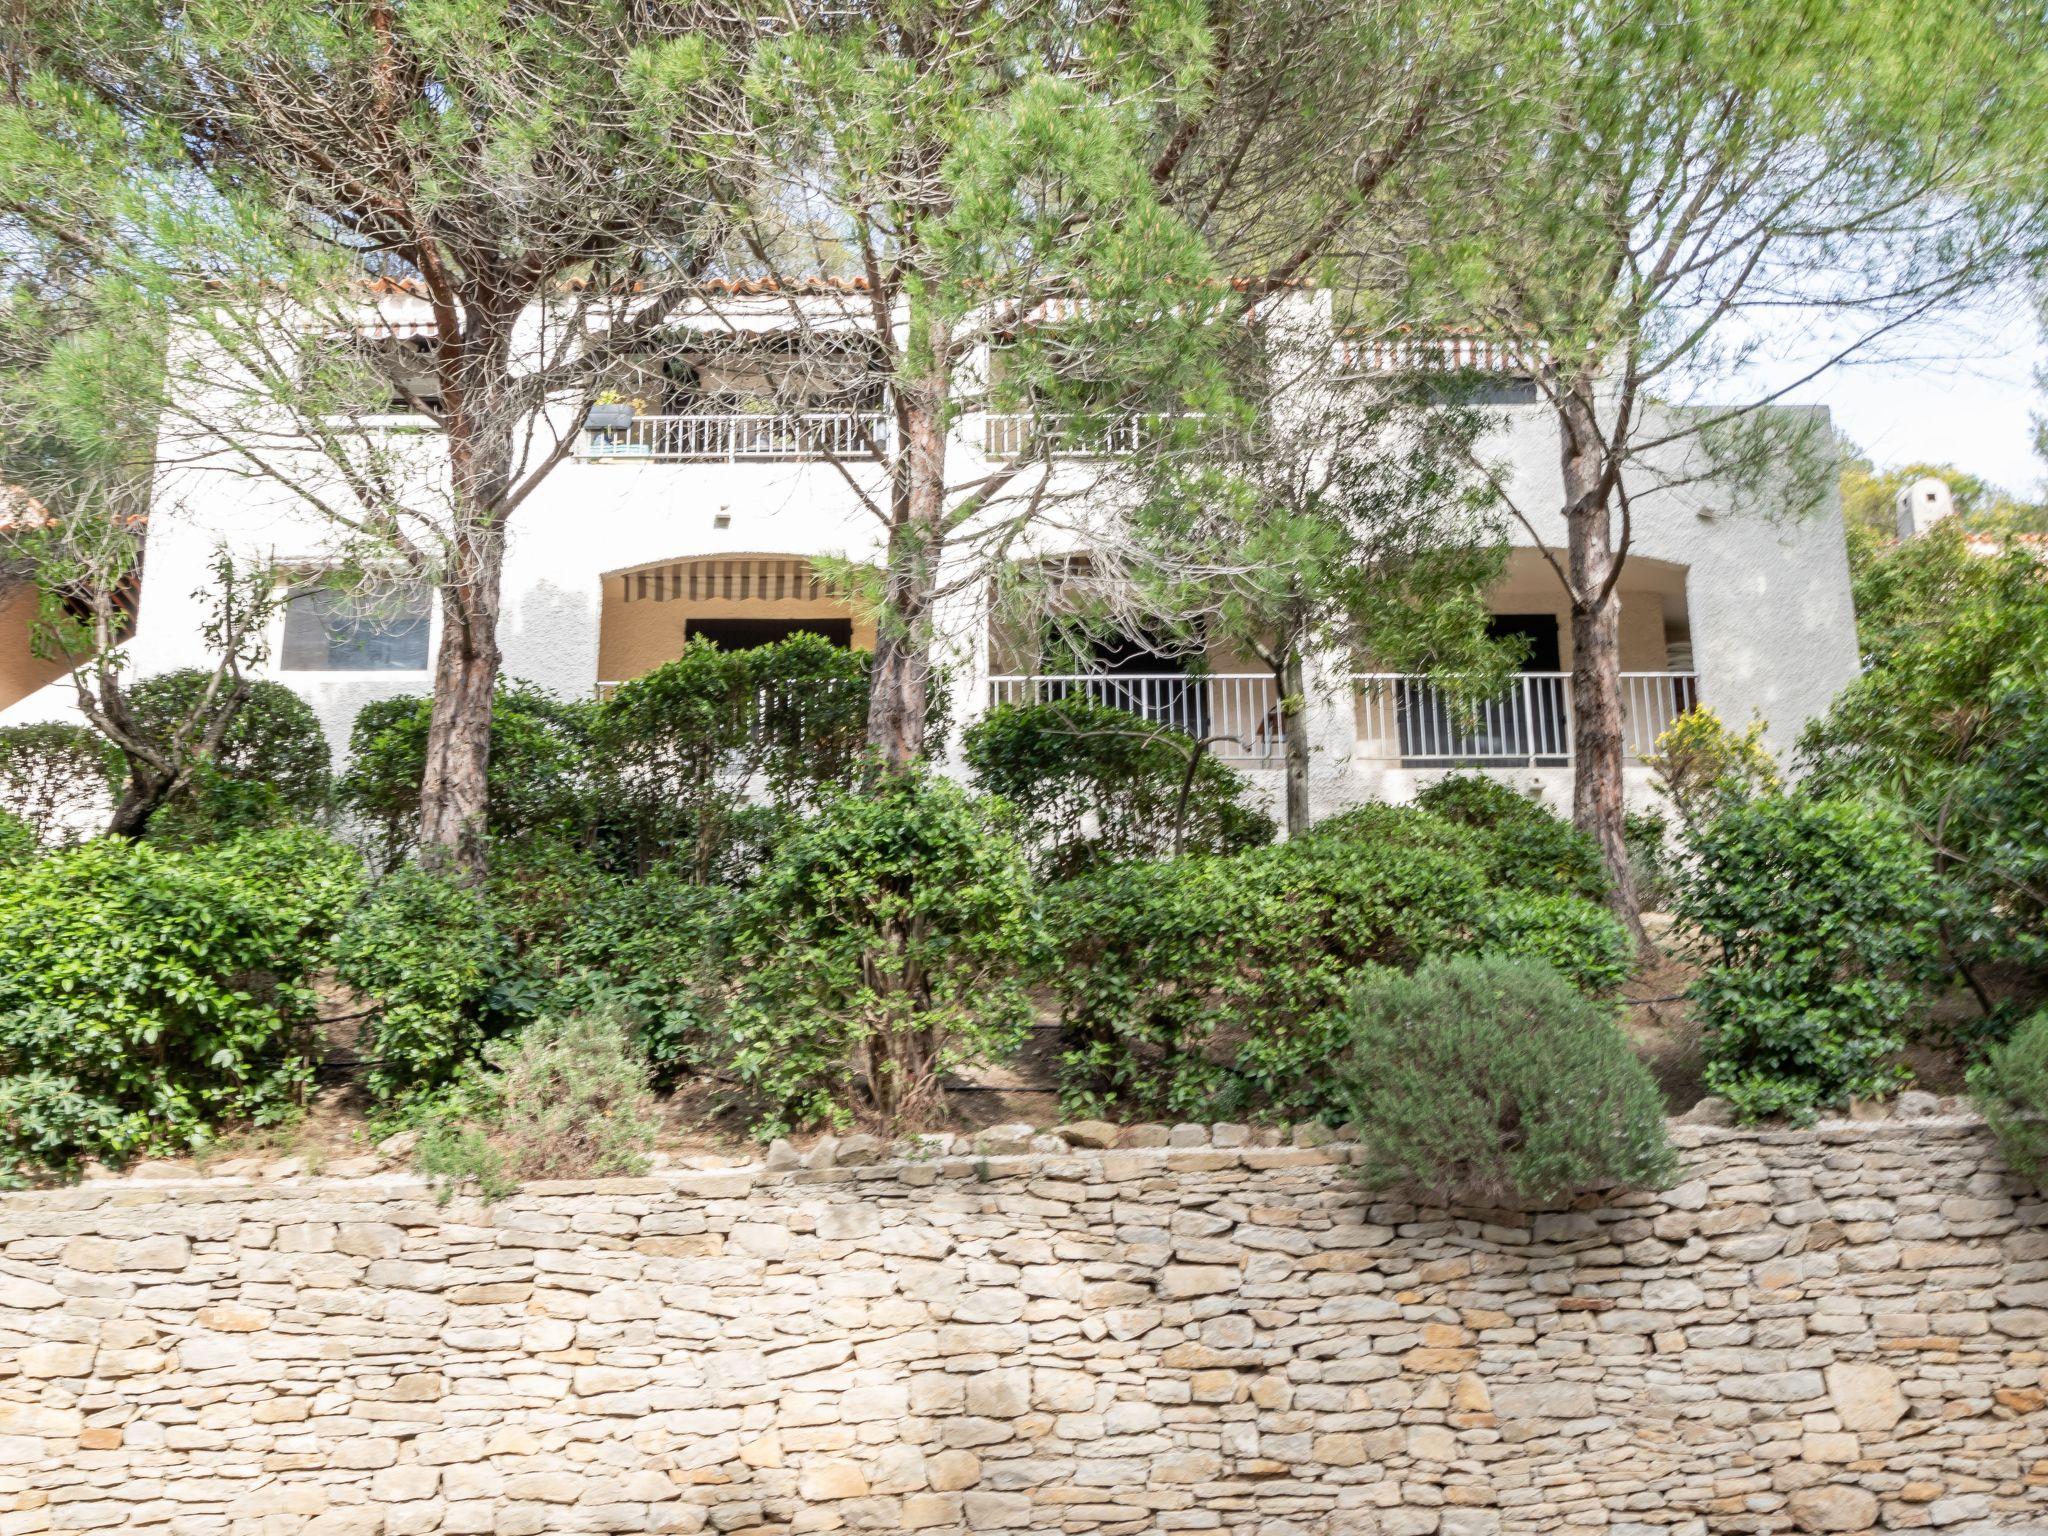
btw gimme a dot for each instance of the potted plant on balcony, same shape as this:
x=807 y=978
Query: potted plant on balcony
x=610 y=412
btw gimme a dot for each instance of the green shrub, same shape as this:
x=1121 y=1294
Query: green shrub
x=48 y=1122
x=2010 y=1086
x=1483 y=1078
x=1822 y=914
x=59 y=779
x=272 y=765
x=438 y=973
x=588 y=939
x=1208 y=986
x=540 y=759
x=884 y=944
x=17 y=841
x=164 y=989
x=1521 y=844
x=1585 y=942
x=1094 y=785
x=706 y=757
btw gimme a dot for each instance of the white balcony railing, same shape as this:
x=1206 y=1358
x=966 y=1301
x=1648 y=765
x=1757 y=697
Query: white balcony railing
x=1012 y=435
x=1237 y=713
x=1409 y=720
x=735 y=438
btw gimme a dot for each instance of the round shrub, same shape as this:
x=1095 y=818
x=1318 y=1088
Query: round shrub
x=275 y=741
x=2010 y=1086
x=155 y=994
x=1094 y=785
x=57 y=778
x=536 y=779
x=1208 y=986
x=884 y=944
x=1822 y=914
x=1485 y=1078
x=1582 y=940
x=1521 y=844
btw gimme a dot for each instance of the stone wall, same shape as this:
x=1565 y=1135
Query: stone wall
x=1835 y=1330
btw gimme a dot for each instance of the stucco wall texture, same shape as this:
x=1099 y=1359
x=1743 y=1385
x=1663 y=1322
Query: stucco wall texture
x=1193 y=1329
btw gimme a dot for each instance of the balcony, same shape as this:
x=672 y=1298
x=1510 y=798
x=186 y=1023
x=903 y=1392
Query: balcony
x=738 y=438
x=1409 y=721
x=1237 y=713
x=1011 y=435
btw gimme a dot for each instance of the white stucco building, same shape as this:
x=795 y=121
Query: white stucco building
x=703 y=513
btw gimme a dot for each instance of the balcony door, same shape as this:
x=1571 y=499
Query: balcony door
x=1527 y=726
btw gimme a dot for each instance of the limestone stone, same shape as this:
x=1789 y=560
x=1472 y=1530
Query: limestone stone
x=1865 y=1395
x=1833 y=1508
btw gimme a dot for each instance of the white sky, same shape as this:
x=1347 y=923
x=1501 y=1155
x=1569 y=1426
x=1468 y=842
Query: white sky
x=1968 y=400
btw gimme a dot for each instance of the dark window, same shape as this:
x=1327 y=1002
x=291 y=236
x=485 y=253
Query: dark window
x=334 y=632
x=745 y=634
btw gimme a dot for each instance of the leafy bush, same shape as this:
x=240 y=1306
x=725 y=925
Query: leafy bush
x=1207 y=986
x=1583 y=941
x=275 y=745
x=883 y=944
x=152 y=995
x=589 y=939
x=537 y=775
x=2010 y=1086
x=1095 y=785
x=683 y=746
x=17 y=841
x=438 y=972
x=1521 y=844
x=564 y=1098
x=1950 y=719
x=1485 y=1077
x=59 y=779
x=1822 y=914
x=1702 y=767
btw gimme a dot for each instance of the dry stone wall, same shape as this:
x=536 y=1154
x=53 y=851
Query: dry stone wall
x=1843 y=1329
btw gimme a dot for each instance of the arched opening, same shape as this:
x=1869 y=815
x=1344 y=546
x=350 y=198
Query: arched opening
x=649 y=612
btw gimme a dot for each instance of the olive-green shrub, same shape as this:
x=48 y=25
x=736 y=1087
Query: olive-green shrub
x=566 y=1097
x=148 y=996
x=1093 y=785
x=885 y=943
x=1483 y=1078
x=1821 y=916
x=2010 y=1086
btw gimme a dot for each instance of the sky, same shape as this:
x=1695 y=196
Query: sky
x=1968 y=398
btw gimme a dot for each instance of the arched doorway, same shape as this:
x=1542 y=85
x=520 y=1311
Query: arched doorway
x=649 y=612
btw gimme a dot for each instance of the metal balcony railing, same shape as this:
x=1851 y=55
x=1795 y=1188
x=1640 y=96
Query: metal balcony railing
x=1014 y=434
x=736 y=438
x=1409 y=720
x=1237 y=713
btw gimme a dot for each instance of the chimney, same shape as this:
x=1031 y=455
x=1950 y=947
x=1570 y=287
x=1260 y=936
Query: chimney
x=1921 y=505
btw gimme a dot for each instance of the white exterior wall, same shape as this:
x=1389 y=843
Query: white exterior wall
x=1771 y=624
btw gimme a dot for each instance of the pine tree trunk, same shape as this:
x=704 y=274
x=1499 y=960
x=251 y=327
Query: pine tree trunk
x=1294 y=729
x=899 y=687
x=1598 y=804
x=455 y=792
